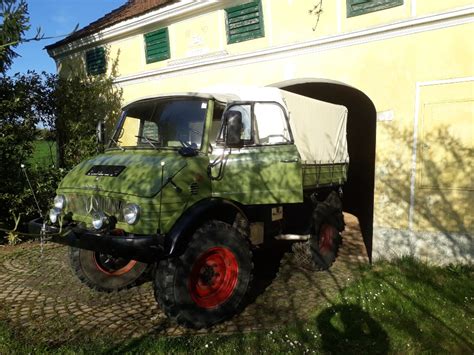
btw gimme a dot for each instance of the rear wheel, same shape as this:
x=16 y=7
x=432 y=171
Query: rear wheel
x=104 y=272
x=320 y=252
x=208 y=282
x=325 y=245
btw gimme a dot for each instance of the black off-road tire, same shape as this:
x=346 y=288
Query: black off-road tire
x=180 y=283
x=320 y=251
x=86 y=265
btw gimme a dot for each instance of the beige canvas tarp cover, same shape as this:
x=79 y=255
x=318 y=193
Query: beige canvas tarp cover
x=319 y=129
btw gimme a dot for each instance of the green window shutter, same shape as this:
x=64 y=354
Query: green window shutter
x=95 y=61
x=360 y=7
x=157 y=45
x=245 y=22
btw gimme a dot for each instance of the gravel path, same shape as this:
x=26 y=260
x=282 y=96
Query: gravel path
x=40 y=294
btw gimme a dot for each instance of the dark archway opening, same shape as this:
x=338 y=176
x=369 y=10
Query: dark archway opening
x=361 y=135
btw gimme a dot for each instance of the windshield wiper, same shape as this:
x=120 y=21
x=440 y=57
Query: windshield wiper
x=118 y=145
x=149 y=140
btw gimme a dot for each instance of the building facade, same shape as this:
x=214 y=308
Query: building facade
x=414 y=59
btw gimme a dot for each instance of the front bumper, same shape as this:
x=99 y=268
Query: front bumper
x=147 y=248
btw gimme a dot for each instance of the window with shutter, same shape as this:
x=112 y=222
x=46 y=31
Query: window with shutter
x=360 y=7
x=245 y=22
x=157 y=45
x=95 y=61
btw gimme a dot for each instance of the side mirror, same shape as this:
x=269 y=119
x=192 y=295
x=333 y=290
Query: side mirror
x=234 y=129
x=100 y=133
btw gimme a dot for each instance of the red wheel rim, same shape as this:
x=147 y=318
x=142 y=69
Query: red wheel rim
x=213 y=277
x=326 y=238
x=113 y=266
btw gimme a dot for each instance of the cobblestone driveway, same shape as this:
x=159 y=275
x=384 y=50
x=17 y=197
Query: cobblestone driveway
x=39 y=293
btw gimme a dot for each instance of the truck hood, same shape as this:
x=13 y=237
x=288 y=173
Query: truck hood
x=130 y=173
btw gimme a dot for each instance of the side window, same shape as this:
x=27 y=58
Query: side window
x=246 y=111
x=360 y=7
x=270 y=124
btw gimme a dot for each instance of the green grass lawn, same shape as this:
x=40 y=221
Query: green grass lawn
x=44 y=153
x=403 y=306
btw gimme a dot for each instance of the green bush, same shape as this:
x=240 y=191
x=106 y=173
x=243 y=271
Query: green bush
x=21 y=204
x=70 y=108
x=23 y=104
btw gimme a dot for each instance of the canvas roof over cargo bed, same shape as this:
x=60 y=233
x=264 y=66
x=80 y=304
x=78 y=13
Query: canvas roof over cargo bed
x=319 y=129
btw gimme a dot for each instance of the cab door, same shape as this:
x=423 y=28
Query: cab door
x=267 y=169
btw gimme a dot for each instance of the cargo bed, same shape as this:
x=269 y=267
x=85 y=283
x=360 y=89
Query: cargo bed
x=321 y=175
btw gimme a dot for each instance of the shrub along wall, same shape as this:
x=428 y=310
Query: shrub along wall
x=70 y=108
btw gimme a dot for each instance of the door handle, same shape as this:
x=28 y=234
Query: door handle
x=293 y=160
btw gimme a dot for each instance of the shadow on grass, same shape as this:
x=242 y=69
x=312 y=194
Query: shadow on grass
x=348 y=329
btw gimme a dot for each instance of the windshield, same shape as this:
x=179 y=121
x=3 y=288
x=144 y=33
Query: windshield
x=162 y=123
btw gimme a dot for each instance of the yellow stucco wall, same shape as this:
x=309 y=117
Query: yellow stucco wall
x=197 y=36
x=130 y=51
x=389 y=80
x=429 y=6
x=403 y=74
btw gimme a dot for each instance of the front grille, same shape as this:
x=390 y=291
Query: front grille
x=85 y=204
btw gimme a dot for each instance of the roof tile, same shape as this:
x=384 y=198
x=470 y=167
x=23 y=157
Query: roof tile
x=132 y=8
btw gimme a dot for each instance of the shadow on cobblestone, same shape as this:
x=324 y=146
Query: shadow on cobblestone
x=40 y=294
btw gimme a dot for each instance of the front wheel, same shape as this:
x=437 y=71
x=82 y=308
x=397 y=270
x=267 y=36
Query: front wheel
x=208 y=282
x=104 y=272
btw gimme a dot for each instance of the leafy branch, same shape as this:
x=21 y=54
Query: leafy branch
x=15 y=23
x=39 y=36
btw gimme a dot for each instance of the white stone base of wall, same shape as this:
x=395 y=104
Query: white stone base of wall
x=434 y=247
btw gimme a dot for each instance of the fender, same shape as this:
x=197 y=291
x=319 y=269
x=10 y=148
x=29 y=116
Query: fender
x=210 y=208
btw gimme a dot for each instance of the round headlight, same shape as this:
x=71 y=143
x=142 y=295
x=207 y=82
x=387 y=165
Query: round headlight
x=130 y=213
x=54 y=214
x=59 y=201
x=98 y=219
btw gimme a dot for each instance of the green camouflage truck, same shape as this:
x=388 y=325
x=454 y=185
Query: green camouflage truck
x=190 y=184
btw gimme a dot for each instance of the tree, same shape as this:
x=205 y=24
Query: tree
x=70 y=106
x=15 y=22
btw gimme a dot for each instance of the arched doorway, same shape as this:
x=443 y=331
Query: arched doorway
x=361 y=134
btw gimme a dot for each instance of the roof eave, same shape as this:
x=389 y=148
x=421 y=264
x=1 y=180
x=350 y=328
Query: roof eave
x=172 y=11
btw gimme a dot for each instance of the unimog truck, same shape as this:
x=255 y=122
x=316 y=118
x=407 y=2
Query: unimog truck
x=191 y=184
